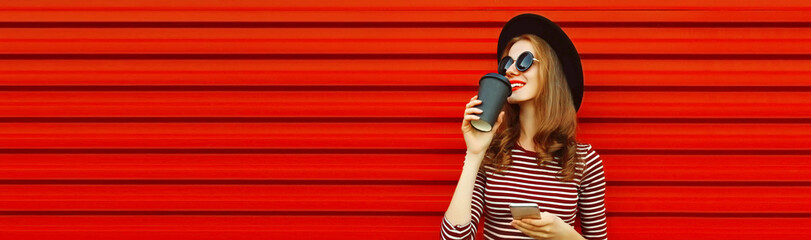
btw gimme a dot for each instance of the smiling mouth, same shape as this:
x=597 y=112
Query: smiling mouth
x=516 y=86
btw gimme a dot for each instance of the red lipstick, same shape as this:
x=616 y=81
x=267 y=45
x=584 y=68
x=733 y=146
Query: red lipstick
x=516 y=84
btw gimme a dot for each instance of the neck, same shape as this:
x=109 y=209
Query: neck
x=528 y=121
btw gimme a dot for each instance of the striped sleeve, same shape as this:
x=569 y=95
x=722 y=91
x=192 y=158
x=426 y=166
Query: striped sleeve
x=592 y=195
x=467 y=231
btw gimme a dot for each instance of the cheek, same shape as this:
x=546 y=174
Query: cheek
x=533 y=82
x=532 y=76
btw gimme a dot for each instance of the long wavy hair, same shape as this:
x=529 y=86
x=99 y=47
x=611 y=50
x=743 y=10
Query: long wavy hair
x=557 y=118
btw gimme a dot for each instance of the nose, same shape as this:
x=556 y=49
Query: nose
x=512 y=71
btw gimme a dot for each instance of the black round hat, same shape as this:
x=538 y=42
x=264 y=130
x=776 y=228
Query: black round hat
x=551 y=33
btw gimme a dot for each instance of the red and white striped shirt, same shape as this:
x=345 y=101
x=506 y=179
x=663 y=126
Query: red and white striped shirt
x=526 y=182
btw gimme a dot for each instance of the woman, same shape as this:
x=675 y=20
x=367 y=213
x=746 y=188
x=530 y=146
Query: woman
x=532 y=156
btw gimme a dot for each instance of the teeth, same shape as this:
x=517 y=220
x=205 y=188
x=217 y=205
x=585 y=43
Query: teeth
x=517 y=85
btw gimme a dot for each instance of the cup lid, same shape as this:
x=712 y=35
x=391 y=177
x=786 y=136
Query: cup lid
x=499 y=77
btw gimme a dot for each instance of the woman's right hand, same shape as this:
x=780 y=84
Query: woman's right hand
x=477 y=141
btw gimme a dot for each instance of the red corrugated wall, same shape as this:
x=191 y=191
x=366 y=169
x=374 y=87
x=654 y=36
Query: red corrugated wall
x=340 y=119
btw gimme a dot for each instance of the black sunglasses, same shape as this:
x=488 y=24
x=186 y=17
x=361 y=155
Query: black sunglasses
x=523 y=63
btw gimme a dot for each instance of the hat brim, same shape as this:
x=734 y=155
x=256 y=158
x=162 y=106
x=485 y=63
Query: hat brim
x=551 y=33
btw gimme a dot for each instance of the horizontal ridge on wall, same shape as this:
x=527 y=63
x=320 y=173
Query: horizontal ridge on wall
x=709 y=183
x=381 y=213
x=374 y=88
x=352 y=227
x=749 y=104
x=374 y=151
x=368 y=120
x=696 y=17
x=394 y=5
x=393 y=56
x=628 y=167
x=494 y=24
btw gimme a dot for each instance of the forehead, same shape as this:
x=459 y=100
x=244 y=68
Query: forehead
x=520 y=47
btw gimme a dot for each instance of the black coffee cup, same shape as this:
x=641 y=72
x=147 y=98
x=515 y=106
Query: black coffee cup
x=493 y=92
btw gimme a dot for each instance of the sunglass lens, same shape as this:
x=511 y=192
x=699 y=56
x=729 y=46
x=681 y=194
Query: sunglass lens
x=504 y=64
x=524 y=61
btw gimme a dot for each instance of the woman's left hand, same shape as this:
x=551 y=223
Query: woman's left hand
x=550 y=227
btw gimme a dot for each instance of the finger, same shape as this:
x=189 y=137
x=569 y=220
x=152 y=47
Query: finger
x=533 y=222
x=471 y=117
x=546 y=219
x=518 y=225
x=466 y=125
x=524 y=225
x=473 y=103
x=526 y=231
x=472 y=110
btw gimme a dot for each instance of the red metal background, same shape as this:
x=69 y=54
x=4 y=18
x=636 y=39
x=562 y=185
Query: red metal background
x=340 y=119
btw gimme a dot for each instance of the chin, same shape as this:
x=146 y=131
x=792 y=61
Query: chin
x=516 y=99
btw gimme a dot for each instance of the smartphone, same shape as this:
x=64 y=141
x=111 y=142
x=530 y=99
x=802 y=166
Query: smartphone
x=525 y=210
